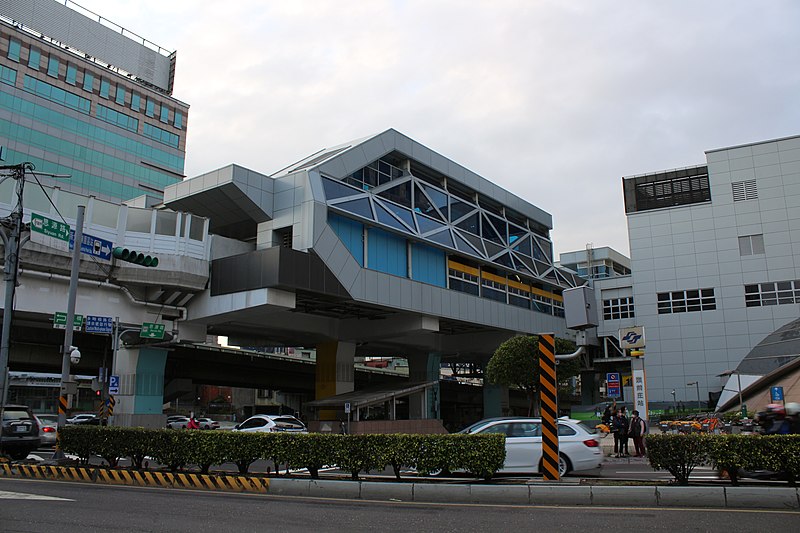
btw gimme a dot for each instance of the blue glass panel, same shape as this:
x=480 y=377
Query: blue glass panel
x=34 y=59
x=515 y=233
x=491 y=248
x=105 y=87
x=404 y=214
x=120 y=97
x=499 y=227
x=504 y=260
x=164 y=114
x=524 y=246
x=135 y=101
x=470 y=224
x=428 y=265
x=358 y=207
x=384 y=217
x=387 y=252
x=443 y=237
x=547 y=249
x=14 y=48
x=458 y=208
x=426 y=224
x=462 y=245
x=52 y=67
x=88 y=81
x=476 y=242
x=488 y=231
x=423 y=205
x=538 y=253
x=351 y=233
x=400 y=194
x=526 y=261
x=438 y=198
x=178 y=119
x=8 y=75
x=150 y=110
x=336 y=189
x=72 y=74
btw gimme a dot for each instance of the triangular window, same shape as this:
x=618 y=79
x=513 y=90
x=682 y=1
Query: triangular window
x=336 y=189
x=470 y=224
x=358 y=207
x=426 y=224
x=400 y=194
x=443 y=237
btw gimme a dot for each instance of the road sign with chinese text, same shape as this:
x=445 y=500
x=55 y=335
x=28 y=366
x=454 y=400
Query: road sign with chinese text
x=151 y=331
x=91 y=245
x=60 y=321
x=49 y=232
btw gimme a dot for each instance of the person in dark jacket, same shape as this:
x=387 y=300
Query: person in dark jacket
x=620 y=430
x=637 y=430
x=606 y=419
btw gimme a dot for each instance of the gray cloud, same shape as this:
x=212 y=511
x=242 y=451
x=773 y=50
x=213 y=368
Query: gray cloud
x=554 y=101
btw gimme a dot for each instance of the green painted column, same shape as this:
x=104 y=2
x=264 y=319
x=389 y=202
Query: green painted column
x=140 y=400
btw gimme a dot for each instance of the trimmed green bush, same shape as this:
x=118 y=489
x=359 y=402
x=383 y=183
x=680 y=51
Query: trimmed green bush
x=481 y=455
x=678 y=454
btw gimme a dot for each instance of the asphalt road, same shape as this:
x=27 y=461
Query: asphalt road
x=72 y=507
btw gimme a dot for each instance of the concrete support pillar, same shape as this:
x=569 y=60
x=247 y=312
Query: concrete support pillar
x=141 y=387
x=495 y=400
x=421 y=368
x=590 y=387
x=335 y=372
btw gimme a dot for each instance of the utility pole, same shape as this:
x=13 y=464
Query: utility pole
x=12 y=245
x=68 y=351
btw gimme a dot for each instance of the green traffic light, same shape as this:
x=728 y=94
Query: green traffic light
x=132 y=256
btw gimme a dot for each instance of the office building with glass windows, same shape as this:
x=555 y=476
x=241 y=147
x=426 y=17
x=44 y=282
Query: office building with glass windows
x=89 y=100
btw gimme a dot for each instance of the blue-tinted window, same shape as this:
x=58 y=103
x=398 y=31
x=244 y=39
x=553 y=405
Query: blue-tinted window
x=52 y=67
x=34 y=59
x=387 y=252
x=336 y=189
x=88 y=81
x=118 y=119
x=351 y=233
x=56 y=94
x=150 y=110
x=8 y=75
x=164 y=114
x=105 y=87
x=428 y=265
x=178 y=119
x=162 y=136
x=135 y=101
x=72 y=74
x=14 y=49
x=120 y=98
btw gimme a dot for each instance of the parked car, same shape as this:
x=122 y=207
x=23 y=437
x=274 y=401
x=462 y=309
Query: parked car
x=81 y=418
x=177 y=422
x=48 y=430
x=272 y=423
x=19 y=435
x=207 y=423
x=578 y=446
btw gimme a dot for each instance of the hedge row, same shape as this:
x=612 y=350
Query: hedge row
x=680 y=454
x=481 y=455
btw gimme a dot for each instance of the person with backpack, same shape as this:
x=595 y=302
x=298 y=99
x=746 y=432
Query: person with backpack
x=637 y=430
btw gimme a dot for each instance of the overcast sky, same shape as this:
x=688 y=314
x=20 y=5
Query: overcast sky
x=553 y=100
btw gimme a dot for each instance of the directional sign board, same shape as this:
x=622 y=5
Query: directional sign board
x=49 y=232
x=91 y=245
x=99 y=324
x=776 y=393
x=347 y=407
x=613 y=385
x=113 y=385
x=151 y=331
x=60 y=321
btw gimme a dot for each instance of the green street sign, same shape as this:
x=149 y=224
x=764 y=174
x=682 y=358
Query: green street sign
x=49 y=227
x=60 y=321
x=151 y=331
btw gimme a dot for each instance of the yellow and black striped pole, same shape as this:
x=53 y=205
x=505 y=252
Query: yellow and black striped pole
x=548 y=397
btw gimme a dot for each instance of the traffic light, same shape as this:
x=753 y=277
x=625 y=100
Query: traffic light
x=132 y=256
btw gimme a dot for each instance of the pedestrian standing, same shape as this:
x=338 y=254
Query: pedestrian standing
x=637 y=431
x=620 y=429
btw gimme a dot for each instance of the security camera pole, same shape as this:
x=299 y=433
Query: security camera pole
x=67 y=387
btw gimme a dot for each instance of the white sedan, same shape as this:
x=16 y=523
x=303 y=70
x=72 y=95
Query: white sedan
x=272 y=423
x=578 y=447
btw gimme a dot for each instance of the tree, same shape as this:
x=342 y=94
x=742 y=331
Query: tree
x=515 y=363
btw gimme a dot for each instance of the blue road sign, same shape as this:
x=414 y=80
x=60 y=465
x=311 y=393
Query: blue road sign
x=91 y=245
x=99 y=324
x=113 y=385
x=613 y=385
x=776 y=393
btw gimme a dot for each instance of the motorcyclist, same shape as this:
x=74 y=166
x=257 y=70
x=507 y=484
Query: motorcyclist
x=793 y=417
x=774 y=421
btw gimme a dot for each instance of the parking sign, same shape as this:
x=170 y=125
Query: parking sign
x=113 y=385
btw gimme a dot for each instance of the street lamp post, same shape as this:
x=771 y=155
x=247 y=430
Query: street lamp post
x=674 y=402
x=696 y=384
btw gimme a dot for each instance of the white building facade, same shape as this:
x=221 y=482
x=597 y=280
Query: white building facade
x=715 y=260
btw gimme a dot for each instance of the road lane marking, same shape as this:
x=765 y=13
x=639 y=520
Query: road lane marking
x=6 y=495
